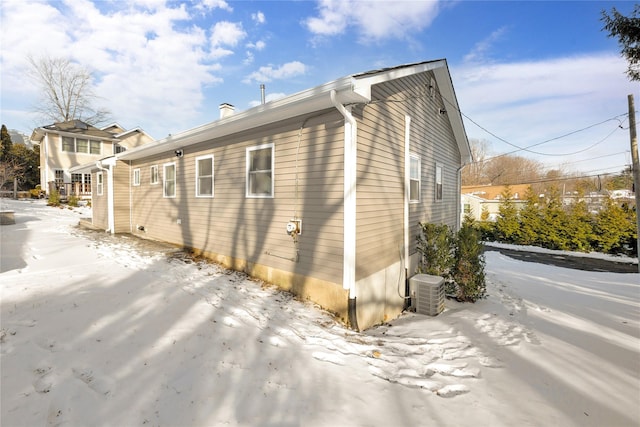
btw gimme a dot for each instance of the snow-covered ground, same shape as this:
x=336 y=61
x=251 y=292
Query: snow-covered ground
x=104 y=330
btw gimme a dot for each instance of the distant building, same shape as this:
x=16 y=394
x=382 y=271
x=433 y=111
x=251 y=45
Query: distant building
x=482 y=202
x=68 y=144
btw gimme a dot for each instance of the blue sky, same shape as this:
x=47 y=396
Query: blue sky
x=524 y=72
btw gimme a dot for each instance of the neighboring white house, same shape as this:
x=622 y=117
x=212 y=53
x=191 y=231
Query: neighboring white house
x=68 y=144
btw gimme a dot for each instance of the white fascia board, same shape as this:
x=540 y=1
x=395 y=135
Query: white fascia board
x=43 y=131
x=445 y=85
x=88 y=167
x=305 y=102
x=134 y=130
x=365 y=81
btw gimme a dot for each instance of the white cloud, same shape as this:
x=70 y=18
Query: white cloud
x=259 y=45
x=373 y=20
x=213 y=4
x=483 y=47
x=258 y=18
x=269 y=73
x=530 y=102
x=146 y=62
x=227 y=33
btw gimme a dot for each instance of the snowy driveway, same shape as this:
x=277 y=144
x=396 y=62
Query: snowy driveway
x=102 y=330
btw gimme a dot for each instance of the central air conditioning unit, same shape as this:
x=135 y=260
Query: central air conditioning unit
x=427 y=294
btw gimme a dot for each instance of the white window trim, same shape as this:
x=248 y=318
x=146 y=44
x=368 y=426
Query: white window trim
x=99 y=147
x=435 y=182
x=157 y=175
x=205 y=196
x=75 y=145
x=164 y=180
x=419 y=178
x=136 y=177
x=99 y=184
x=273 y=172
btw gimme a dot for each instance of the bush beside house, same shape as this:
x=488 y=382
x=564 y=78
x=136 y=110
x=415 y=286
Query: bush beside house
x=550 y=224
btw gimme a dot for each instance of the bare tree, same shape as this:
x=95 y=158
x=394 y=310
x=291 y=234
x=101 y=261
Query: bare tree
x=503 y=170
x=66 y=91
x=473 y=173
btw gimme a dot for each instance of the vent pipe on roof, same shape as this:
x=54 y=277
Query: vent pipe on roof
x=262 y=93
x=226 y=110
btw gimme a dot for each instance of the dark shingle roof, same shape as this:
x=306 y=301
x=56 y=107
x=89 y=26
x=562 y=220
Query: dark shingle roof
x=79 y=127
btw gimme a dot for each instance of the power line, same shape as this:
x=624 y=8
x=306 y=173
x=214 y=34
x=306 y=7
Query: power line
x=423 y=95
x=527 y=148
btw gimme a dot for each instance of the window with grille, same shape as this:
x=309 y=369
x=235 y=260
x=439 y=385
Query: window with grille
x=59 y=176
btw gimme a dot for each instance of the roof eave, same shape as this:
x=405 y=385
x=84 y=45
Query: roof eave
x=301 y=103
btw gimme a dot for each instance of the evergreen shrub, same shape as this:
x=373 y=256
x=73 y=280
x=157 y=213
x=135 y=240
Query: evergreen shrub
x=457 y=257
x=54 y=198
x=468 y=268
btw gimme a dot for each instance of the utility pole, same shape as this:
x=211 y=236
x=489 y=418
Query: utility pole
x=636 y=167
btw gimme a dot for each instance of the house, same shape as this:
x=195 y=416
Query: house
x=482 y=202
x=72 y=143
x=320 y=193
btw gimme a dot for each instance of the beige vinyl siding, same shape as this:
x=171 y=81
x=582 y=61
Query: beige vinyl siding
x=122 y=180
x=380 y=187
x=380 y=191
x=99 y=213
x=253 y=229
x=432 y=139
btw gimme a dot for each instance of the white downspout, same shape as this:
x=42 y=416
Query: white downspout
x=407 y=185
x=46 y=165
x=110 y=200
x=349 y=220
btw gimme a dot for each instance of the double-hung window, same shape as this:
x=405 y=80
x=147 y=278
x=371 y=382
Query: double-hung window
x=414 y=178
x=204 y=176
x=68 y=144
x=82 y=145
x=99 y=184
x=154 y=174
x=95 y=147
x=260 y=171
x=438 y=181
x=136 y=177
x=169 y=180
